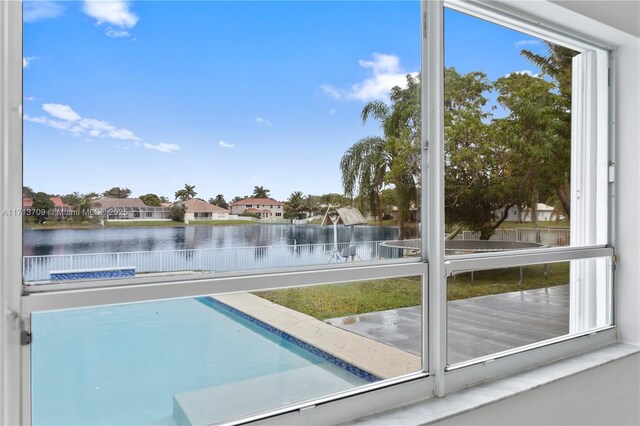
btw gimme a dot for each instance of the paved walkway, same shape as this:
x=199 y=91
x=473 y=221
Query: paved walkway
x=477 y=326
x=376 y=357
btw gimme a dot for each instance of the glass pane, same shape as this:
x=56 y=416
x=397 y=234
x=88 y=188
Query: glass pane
x=226 y=143
x=518 y=175
x=210 y=359
x=496 y=310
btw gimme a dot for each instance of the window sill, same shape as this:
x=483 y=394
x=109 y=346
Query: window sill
x=437 y=409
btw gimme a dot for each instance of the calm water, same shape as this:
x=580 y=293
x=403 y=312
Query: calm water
x=74 y=241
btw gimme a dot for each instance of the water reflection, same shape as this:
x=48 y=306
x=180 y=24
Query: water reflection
x=73 y=241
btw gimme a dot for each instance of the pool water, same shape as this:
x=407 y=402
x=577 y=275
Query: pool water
x=124 y=364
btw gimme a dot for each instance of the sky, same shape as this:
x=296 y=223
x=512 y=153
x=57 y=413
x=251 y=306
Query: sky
x=222 y=95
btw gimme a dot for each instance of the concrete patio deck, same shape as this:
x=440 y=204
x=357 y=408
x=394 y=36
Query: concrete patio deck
x=478 y=326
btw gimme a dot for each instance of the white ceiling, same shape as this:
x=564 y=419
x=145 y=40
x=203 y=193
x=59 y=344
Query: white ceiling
x=620 y=14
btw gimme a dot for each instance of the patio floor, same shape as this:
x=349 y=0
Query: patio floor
x=477 y=326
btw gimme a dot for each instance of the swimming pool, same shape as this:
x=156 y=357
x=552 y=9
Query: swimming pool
x=155 y=362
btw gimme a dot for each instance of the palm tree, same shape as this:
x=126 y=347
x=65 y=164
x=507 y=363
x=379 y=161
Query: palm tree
x=219 y=201
x=311 y=204
x=363 y=169
x=260 y=192
x=187 y=193
x=295 y=204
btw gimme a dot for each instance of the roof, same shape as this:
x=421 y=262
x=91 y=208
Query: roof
x=108 y=202
x=260 y=201
x=57 y=203
x=196 y=205
x=125 y=204
x=347 y=216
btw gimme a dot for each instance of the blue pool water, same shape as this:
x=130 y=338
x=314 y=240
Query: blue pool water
x=124 y=364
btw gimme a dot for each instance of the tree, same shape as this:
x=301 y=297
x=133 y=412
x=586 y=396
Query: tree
x=117 y=192
x=73 y=199
x=260 y=192
x=311 y=204
x=151 y=200
x=295 y=205
x=177 y=212
x=27 y=192
x=41 y=205
x=558 y=65
x=396 y=155
x=238 y=198
x=219 y=201
x=477 y=180
x=187 y=193
x=363 y=168
x=534 y=130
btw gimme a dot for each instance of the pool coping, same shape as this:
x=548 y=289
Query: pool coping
x=364 y=357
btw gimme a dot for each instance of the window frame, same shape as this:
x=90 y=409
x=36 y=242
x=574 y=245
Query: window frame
x=435 y=379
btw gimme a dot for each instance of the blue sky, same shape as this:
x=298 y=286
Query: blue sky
x=222 y=95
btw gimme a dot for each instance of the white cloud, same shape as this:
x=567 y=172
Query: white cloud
x=29 y=98
x=169 y=148
x=524 y=72
x=27 y=61
x=63 y=112
x=223 y=144
x=66 y=119
x=110 y=32
x=114 y=12
x=386 y=73
x=34 y=11
x=530 y=42
x=262 y=122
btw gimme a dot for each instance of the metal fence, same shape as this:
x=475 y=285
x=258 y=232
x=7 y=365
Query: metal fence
x=38 y=268
x=548 y=236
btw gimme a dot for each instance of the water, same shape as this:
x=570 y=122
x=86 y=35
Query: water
x=123 y=364
x=38 y=242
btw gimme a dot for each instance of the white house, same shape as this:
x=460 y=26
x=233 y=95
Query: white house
x=197 y=209
x=545 y=213
x=267 y=208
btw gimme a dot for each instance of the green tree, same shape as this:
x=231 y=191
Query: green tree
x=27 y=192
x=311 y=204
x=117 y=192
x=151 y=200
x=363 y=168
x=558 y=65
x=219 y=201
x=260 y=192
x=177 y=212
x=477 y=179
x=186 y=193
x=238 y=198
x=41 y=205
x=294 y=207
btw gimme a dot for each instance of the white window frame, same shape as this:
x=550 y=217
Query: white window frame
x=435 y=379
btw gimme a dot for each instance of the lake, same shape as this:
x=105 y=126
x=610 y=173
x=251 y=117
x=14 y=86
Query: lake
x=38 y=242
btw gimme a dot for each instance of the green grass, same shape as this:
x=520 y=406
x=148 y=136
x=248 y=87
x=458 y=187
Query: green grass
x=339 y=300
x=221 y=222
x=142 y=223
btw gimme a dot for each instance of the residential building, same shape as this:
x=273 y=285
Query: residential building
x=545 y=213
x=267 y=208
x=60 y=209
x=198 y=209
x=129 y=209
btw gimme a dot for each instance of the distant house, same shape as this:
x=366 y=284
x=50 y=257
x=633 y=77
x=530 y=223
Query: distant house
x=197 y=209
x=545 y=214
x=129 y=209
x=60 y=209
x=267 y=208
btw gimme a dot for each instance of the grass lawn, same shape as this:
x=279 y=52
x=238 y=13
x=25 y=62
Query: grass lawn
x=339 y=300
x=541 y=224
x=142 y=223
x=60 y=225
x=221 y=222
